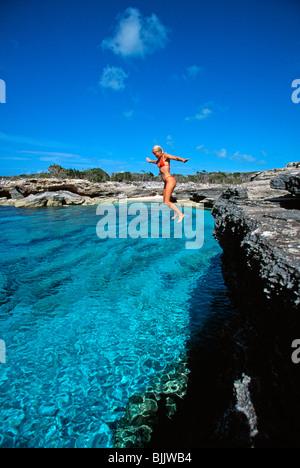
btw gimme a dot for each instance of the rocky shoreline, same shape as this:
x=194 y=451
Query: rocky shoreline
x=37 y=193
x=51 y=192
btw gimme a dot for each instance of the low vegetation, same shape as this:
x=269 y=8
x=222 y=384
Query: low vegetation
x=99 y=175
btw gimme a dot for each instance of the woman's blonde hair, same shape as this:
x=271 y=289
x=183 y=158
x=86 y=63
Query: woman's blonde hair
x=157 y=148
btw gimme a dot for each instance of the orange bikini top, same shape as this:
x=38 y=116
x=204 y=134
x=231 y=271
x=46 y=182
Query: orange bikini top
x=161 y=163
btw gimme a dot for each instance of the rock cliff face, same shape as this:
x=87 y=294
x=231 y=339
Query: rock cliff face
x=287 y=181
x=258 y=228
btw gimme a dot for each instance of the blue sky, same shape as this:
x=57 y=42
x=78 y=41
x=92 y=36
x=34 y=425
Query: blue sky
x=97 y=83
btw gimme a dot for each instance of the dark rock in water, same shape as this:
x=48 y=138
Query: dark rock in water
x=143 y=410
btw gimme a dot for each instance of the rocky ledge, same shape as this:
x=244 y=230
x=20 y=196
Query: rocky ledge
x=260 y=235
x=36 y=193
x=258 y=227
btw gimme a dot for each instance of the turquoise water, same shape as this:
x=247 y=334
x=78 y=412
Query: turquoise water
x=88 y=322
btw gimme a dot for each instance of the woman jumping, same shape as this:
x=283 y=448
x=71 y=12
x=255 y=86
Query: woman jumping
x=163 y=162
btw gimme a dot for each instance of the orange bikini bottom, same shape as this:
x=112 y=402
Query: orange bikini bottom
x=168 y=177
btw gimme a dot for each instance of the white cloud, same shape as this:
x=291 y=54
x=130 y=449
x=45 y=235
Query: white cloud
x=136 y=36
x=219 y=153
x=52 y=154
x=15 y=158
x=60 y=158
x=203 y=114
x=189 y=73
x=21 y=139
x=113 y=78
x=170 y=141
x=193 y=71
x=223 y=153
x=242 y=157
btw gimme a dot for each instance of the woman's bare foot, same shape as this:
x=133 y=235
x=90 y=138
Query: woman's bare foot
x=175 y=216
x=181 y=216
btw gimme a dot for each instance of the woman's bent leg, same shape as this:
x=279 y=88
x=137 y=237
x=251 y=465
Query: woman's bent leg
x=169 y=187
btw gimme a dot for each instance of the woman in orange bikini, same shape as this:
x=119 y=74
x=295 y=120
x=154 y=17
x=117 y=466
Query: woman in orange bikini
x=163 y=162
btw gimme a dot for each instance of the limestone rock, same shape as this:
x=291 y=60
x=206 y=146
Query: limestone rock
x=49 y=199
x=287 y=181
x=14 y=193
x=57 y=192
x=267 y=237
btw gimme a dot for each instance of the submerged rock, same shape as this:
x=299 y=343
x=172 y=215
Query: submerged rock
x=144 y=410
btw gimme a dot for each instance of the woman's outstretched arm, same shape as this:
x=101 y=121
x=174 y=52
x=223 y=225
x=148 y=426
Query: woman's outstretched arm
x=176 y=158
x=153 y=162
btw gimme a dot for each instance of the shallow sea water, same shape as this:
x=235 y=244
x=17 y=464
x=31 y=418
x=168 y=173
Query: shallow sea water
x=88 y=322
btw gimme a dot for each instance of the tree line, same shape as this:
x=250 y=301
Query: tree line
x=99 y=175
